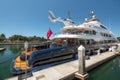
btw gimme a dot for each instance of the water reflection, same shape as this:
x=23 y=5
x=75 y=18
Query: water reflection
x=1 y=53
x=107 y=71
x=6 y=58
x=15 y=48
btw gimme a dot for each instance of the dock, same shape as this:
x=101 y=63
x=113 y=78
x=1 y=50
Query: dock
x=66 y=71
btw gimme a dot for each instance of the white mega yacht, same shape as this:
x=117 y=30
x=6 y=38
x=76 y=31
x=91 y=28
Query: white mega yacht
x=91 y=33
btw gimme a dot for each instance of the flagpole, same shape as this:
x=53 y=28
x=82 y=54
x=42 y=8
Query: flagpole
x=49 y=33
x=26 y=47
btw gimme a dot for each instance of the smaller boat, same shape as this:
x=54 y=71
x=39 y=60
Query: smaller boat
x=2 y=49
x=26 y=61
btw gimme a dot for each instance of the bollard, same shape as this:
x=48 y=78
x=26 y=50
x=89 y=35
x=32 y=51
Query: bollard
x=114 y=48
x=81 y=60
x=110 y=49
x=98 y=52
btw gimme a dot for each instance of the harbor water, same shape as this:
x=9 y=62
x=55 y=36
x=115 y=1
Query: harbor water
x=107 y=71
x=6 y=57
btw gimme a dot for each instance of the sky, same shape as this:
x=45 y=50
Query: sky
x=30 y=17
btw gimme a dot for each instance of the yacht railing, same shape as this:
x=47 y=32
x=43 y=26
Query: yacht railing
x=72 y=34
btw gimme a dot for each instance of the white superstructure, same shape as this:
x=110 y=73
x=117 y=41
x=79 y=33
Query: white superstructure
x=90 y=33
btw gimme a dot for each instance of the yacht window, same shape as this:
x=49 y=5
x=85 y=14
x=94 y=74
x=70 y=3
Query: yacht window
x=90 y=32
x=103 y=27
x=109 y=35
x=86 y=31
x=106 y=35
x=79 y=32
x=73 y=32
x=94 y=32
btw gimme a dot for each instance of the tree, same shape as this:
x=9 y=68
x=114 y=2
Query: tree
x=2 y=37
x=24 y=38
x=18 y=38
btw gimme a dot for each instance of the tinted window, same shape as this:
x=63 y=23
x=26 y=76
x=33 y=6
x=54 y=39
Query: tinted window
x=94 y=32
x=103 y=27
x=86 y=31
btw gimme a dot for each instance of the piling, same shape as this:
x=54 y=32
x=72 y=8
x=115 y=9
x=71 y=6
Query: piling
x=81 y=74
x=118 y=48
x=98 y=51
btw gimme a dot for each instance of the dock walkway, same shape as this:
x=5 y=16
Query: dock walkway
x=68 y=69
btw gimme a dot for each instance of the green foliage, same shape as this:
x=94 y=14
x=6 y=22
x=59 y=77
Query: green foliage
x=24 y=38
x=20 y=38
x=17 y=38
x=2 y=37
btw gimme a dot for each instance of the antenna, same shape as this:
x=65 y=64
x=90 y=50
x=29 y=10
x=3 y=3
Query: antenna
x=109 y=23
x=92 y=15
x=69 y=14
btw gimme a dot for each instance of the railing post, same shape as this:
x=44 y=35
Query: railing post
x=81 y=74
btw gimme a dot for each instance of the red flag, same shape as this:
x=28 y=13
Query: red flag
x=49 y=33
